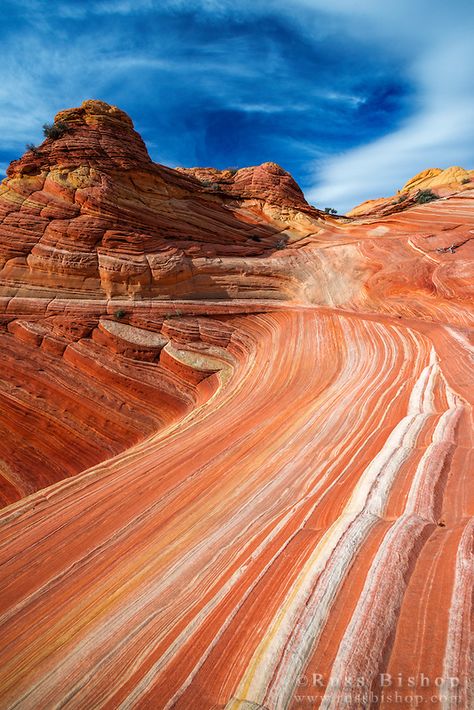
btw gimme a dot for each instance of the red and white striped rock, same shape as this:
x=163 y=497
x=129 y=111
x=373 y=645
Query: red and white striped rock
x=254 y=463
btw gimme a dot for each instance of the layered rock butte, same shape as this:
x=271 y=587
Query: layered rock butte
x=235 y=436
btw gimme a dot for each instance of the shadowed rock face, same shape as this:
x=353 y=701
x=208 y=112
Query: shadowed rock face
x=249 y=429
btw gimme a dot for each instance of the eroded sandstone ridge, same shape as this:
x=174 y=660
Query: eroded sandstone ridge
x=434 y=182
x=249 y=429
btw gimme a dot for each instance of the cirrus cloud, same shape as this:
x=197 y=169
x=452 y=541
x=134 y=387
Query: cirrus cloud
x=351 y=98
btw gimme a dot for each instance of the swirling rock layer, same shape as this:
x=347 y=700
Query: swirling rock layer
x=254 y=465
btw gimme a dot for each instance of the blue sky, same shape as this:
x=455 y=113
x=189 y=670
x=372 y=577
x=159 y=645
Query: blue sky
x=352 y=97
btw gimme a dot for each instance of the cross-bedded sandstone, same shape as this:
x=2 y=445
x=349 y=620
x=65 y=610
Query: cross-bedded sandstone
x=249 y=427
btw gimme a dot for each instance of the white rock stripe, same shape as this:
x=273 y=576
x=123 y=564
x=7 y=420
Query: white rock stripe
x=375 y=616
x=421 y=498
x=361 y=649
x=459 y=657
x=264 y=682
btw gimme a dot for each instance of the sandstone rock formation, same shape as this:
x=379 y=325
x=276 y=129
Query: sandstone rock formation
x=237 y=441
x=435 y=177
x=441 y=183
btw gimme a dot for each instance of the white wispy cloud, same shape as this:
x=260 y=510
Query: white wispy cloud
x=48 y=66
x=440 y=131
x=264 y=107
x=38 y=79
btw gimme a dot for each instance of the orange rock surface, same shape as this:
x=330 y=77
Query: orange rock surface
x=435 y=177
x=237 y=438
x=441 y=183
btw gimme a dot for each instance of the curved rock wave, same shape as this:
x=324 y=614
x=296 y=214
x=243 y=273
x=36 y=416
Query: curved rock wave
x=255 y=469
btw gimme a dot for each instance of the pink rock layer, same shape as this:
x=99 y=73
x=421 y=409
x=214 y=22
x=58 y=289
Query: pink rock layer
x=282 y=515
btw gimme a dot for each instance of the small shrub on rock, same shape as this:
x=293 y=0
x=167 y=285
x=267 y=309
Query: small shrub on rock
x=32 y=148
x=120 y=313
x=330 y=210
x=424 y=196
x=54 y=130
x=465 y=180
x=214 y=186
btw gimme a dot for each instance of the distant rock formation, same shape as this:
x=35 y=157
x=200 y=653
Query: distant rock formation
x=267 y=182
x=435 y=177
x=236 y=435
x=442 y=182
